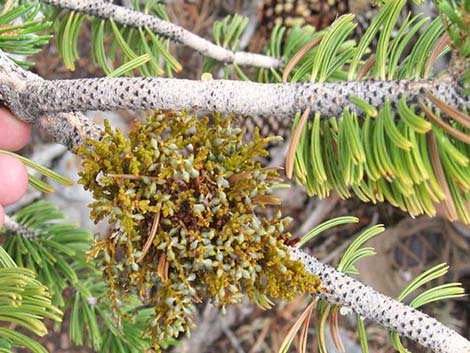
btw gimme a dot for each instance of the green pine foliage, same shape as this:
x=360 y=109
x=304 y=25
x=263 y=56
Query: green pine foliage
x=132 y=48
x=52 y=249
x=413 y=156
x=22 y=30
x=24 y=302
x=53 y=254
x=327 y=313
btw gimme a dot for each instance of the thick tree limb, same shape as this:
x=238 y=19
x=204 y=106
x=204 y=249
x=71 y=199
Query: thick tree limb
x=69 y=129
x=386 y=311
x=49 y=103
x=32 y=99
x=175 y=33
x=240 y=97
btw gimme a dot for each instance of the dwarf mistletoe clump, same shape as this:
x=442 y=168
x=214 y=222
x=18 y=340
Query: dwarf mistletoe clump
x=181 y=194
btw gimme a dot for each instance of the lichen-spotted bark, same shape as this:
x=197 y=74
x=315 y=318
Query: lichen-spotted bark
x=69 y=129
x=388 y=312
x=225 y=96
x=20 y=90
x=166 y=29
x=14 y=227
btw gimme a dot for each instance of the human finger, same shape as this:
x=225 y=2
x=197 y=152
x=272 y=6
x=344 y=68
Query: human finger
x=2 y=216
x=13 y=179
x=14 y=133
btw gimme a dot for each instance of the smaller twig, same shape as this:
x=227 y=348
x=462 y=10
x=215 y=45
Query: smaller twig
x=390 y=313
x=18 y=229
x=31 y=195
x=175 y=33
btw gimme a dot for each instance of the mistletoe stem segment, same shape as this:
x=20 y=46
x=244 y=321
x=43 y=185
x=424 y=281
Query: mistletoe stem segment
x=177 y=34
x=388 y=312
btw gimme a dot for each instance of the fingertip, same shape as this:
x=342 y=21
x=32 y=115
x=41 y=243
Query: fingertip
x=14 y=134
x=14 y=179
x=2 y=216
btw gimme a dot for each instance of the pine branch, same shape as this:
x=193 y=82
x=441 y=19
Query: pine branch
x=34 y=99
x=239 y=97
x=388 y=312
x=15 y=228
x=30 y=96
x=68 y=129
x=177 y=34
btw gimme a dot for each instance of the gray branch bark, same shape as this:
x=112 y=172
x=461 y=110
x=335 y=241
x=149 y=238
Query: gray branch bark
x=281 y=100
x=38 y=101
x=69 y=129
x=15 y=228
x=175 y=33
x=386 y=311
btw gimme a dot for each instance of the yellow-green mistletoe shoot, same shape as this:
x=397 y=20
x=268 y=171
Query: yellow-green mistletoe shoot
x=181 y=193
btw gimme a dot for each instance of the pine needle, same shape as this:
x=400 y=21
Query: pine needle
x=455 y=114
x=459 y=135
x=436 y=51
x=153 y=232
x=294 y=143
x=440 y=175
x=298 y=56
x=162 y=268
